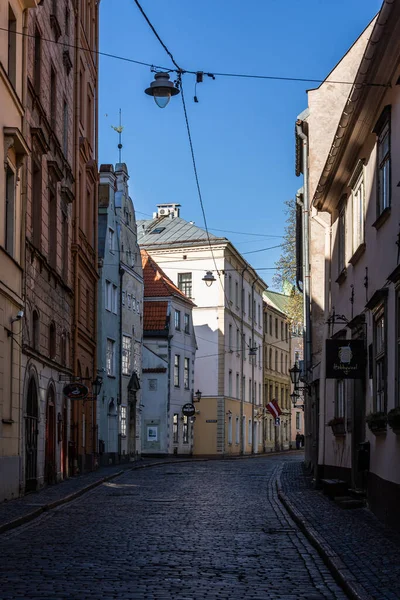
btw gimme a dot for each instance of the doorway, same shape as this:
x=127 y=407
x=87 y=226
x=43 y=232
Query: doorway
x=31 y=437
x=50 y=451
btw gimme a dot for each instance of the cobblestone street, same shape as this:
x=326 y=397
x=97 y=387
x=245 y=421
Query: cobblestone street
x=183 y=531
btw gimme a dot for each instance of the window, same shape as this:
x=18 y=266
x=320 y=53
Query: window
x=237 y=431
x=270 y=359
x=129 y=300
x=270 y=429
x=237 y=294
x=282 y=330
x=250 y=434
x=249 y=305
x=298 y=421
x=123 y=298
x=230 y=429
x=382 y=129
x=276 y=361
x=281 y=363
x=126 y=354
x=244 y=346
x=237 y=340
x=283 y=398
x=270 y=325
x=65 y=128
x=12 y=47
x=64 y=246
x=114 y=299
x=175 y=437
x=286 y=363
x=52 y=226
x=244 y=388
x=108 y=295
x=380 y=361
x=122 y=421
x=37 y=203
x=250 y=391
x=176 y=370
x=358 y=212
x=89 y=116
x=230 y=337
x=340 y=401
x=287 y=332
x=111 y=239
x=52 y=340
x=244 y=430
x=67 y=22
x=10 y=211
x=186 y=373
x=187 y=323
x=237 y=386
x=185 y=283
x=259 y=314
x=177 y=320
x=53 y=98
x=230 y=384
x=276 y=328
x=230 y=288
x=110 y=357
x=342 y=238
x=37 y=61
x=185 y=429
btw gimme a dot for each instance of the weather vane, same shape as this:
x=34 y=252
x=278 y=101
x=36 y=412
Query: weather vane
x=119 y=130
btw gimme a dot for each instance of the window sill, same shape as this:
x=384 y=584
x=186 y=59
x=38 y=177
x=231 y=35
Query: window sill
x=383 y=217
x=357 y=254
x=342 y=276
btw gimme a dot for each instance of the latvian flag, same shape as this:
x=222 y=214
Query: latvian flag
x=274 y=409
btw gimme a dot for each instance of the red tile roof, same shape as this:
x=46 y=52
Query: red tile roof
x=156 y=283
x=155 y=316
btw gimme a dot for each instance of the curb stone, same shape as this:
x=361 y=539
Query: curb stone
x=26 y=518
x=339 y=570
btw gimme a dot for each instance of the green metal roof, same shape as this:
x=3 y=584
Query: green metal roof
x=279 y=301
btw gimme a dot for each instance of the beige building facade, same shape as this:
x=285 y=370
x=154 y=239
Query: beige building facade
x=355 y=190
x=13 y=151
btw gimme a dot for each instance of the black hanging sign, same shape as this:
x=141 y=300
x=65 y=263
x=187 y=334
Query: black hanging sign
x=75 y=391
x=188 y=410
x=345 y=359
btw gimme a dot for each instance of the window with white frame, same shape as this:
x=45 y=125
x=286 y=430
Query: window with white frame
x=250 y=434
x=185 y=283
x=114 y=299
x=110 y=357
x=10 y=211
x=230 y=288
x=244 y=430
x=382 y=130
x=237 y=293
x=340 y=398
x=230 y=429
x=380 y=360
x=175 y=429
x=237 y=385
x=177 y=320
x=230 y=384
x=244 y=346
x=123 y=298
x=186 y=373
x=298 y=421
x=123 y=421
x=358 y=196
x=187 y=323
x=237 y=431
x=185 y=429
x=237 y=340
x=108 y=295
x=129 y=300
x=230 y=336
x=126 y=354
x=177 y=359
x=111 y=239
x=250 y=390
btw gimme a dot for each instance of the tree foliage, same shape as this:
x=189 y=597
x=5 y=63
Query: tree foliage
x=285 y=276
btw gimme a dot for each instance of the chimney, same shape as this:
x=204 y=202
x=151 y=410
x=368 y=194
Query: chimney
x=171 y=210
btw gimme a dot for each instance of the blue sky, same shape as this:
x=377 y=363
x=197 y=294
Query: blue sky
x=242 y=129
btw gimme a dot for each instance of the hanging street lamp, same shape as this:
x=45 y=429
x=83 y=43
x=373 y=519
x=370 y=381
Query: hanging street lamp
x=162 y=89
x=295 y=375
x=294 y=397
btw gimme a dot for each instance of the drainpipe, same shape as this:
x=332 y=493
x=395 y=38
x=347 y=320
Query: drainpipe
x=242 y=347
x=306 y=272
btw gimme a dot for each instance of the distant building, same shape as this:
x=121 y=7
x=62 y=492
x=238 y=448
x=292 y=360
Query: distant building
x=277 y=341
x=228 y=321
x=120 y=314
x=170 y=344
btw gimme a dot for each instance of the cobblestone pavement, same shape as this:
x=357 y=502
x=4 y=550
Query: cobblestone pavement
x=211 y=530
x=370 y=552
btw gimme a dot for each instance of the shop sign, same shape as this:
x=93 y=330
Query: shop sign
x=188 y=410
x=345 y=359
x=75 y=391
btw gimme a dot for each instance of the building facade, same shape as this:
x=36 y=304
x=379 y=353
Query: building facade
x=13 y=151
x=170 y=338
x=276 y=370
x=228 y=325
x=356 y=191
x=48 y=278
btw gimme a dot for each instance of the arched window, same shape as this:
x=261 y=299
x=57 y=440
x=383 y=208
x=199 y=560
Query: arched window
x=35 y=330
x=52 y=340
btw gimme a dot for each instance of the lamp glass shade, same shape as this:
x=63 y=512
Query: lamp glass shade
x=294 y=397
x=198 y=395
x=162 y=96
x=209 y=278
x=295 y=375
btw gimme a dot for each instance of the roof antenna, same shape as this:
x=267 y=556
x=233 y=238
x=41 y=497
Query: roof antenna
x=119 y=130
